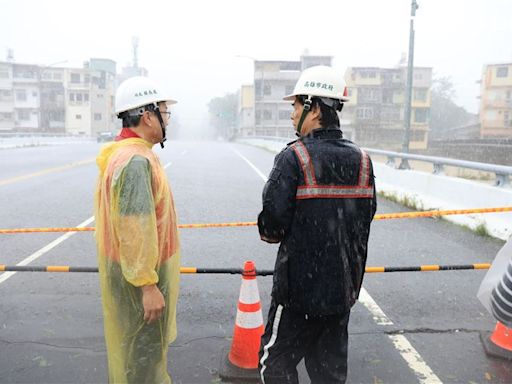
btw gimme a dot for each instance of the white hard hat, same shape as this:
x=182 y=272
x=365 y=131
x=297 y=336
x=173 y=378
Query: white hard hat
x=320 y=81
x=137 y=92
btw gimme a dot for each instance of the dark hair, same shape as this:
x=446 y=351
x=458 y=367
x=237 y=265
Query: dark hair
x=134 y=120
x=328 y=115
x=130 y=121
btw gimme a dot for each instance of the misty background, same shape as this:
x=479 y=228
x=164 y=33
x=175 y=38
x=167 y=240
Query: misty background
x=200 y=50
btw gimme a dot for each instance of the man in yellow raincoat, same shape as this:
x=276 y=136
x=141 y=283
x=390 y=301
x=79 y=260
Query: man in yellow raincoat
x=137 y=239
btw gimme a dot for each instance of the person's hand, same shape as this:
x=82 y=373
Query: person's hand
x=269 y=240
x=153 y=303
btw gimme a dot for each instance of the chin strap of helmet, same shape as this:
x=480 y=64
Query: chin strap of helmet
x=305 y=111
x=162 y=125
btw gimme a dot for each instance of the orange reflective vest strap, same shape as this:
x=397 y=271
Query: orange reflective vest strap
x=364 y=171
x=312 y=190
x=305 y=161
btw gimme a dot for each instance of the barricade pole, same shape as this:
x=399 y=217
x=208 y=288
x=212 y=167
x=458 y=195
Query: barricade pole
x=238 y=271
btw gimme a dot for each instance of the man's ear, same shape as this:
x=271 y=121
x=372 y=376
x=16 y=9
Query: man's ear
x=316 y=112
x=146 y=118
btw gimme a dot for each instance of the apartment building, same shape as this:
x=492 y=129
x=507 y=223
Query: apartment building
x=6 y=97
x=375 y=112
x=46 y=99
x=496 y=101
x=25 y=87
x=246 y=110
x=273 y=79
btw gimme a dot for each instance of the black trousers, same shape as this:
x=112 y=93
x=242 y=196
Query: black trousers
x=289 y=336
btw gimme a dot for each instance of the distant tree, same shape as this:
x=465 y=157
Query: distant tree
x=444 y=113
x=223 y=114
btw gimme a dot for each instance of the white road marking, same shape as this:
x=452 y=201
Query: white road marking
x=420 y=368
x=379 y=316
x=413 y=359
x=6 y=275
x=251 y=165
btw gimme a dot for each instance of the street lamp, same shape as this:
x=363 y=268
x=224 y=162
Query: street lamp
x=407 y=118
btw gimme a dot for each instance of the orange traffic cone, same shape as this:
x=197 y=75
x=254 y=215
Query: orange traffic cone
x=498 y=344
x=241 y=363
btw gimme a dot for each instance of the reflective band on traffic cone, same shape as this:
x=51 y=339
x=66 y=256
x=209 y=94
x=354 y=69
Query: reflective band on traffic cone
x=499 y=343
x=249 y=322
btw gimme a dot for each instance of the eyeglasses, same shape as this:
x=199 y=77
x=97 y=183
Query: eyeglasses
x=168 y=113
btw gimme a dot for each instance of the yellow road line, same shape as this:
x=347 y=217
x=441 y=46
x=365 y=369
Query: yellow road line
x=46 y=171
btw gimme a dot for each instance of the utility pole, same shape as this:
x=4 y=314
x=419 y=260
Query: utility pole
x=410 y=65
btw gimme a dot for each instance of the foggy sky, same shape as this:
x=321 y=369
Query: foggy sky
x=192 y=46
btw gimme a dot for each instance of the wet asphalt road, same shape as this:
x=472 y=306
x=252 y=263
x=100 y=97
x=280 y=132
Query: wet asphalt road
x=51 y=327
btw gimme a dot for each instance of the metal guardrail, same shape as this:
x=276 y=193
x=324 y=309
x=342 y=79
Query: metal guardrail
x=502 y=172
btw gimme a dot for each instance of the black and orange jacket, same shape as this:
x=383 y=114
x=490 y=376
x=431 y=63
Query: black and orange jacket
x=319 y=202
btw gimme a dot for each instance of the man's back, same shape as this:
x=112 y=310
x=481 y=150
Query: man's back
x=323 y=251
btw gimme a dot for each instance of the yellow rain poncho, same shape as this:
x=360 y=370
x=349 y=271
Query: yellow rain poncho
x=137 y=243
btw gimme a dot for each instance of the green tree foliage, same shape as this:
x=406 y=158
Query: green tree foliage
x=444 y=113
x=223 y=114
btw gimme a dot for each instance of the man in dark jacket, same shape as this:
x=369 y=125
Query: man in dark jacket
x=318 y=203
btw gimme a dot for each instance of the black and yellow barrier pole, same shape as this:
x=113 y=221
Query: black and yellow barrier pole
x=239 y=271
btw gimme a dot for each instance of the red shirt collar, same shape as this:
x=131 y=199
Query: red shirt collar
x=126 y=133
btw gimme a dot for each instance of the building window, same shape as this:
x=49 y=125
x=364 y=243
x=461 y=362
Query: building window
x=420 y=94
x=387 y=96
x=490 y=115
x=364 y=113
x=418 y=76
x=288 y=89
x=99 y=96
x=86 y=97
x=349 y=92
x=71 y=97
x=420 y=115
x=87 y=79
x=284 y=115
x=97 y=116
x=258 y=117
x=78 y=117
x=266 y=89
x=21 y=95
x=368 y=94
x=34 y=93
x=502 y=72
x=57 y=76
x=78 y=97
x=5 y=95
x=5 y=116
x=75 y=78
x=267 y=115
x=4 y=74
x=23 y=115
